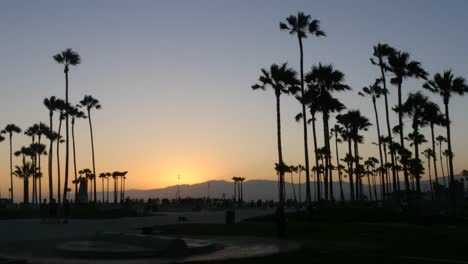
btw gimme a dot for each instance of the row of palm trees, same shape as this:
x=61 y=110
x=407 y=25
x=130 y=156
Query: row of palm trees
x=238 y=188
x=315 y=91
x=65 y=111
x=86 y=176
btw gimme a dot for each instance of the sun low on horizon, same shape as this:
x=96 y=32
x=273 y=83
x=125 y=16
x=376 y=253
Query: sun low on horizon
x=177 y=99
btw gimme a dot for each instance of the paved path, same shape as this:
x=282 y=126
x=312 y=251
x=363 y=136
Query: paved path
x=33 y=229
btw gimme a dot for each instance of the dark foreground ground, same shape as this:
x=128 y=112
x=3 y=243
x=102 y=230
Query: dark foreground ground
x=351 y=236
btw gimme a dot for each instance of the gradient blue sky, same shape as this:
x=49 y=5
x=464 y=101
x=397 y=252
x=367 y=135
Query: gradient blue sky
x=174 y=77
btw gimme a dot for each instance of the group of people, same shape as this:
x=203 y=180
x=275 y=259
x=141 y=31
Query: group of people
x=51 y=213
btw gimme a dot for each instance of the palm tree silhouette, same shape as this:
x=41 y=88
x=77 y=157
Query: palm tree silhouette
x=300 y=26
x=43 y=130
x=75 y=113
x=345 y=121
x=90 y=103
x=235 y=180
x=381 y=54
x=36 y=149
x=1 y=138
x=325 y=80
x=24 y=172
x=61 y=107
x=374 y=91
x=51 y=104
x=300 y=168
x=428 y=154
x=103 y=176
x=446 y=85
x=441 y=139
x=336 y=131
x=414 y=108
x=283 y=81
x=67 y=58
x=10 y=129
x=115 y=176
x=108 y=176
x=32 y=132
x=402 y=67
x=293 y=169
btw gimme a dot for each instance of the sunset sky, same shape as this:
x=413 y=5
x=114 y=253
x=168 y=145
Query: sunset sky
x=174 y=77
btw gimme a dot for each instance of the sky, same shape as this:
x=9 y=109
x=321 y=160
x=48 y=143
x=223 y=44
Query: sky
x=174 y=77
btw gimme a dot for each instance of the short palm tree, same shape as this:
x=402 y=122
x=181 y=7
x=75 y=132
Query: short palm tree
x=345 y=121
x=62 y=108
x=42 y=131
x=67 y=58
x=75 y=113
x=90 y=103
x=428 y=154
x=446 y=85
x=108 y=176
x=337 y=130
x=11 y=129
x=440 y=140
x=402 y=67
x=24 y=172
x=302 y=25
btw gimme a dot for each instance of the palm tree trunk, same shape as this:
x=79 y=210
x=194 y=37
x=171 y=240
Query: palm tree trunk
x=11 y=167
x=338 y=167
x=358 y=173
x=329 y=160
x=386 y=169
x=381 y=171
x=67 y=141
x=304 y=122
x=450 y=153
x=51 y=189
x=402 y=140
x=326 y=168
x=107 y=200
x=92 y=150
x=102 y=189
x=430 y=176
x=389 y=130
x=317 y=172
x=300 y=195
x=280 y=151
x=58 y=160
x=74 y=156
x=442 y=163
x=434 y=158
x=350 y=169
x=416 y=155
x=40 y=172
x=369 y=187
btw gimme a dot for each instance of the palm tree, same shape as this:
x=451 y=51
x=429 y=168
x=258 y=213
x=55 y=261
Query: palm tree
x=374 y=91
x=61 y=107
x=51 y=104
x=67 y=58
x=441 y=139
x=235 y=180
x=402 y=67
x=300 y=26
x=446 y=85
x=1 y=138
x=24 y=172
x=345 y=121
x=381 y=54
x=103 y=176
x=370 y=168
x=293 y=169
x=122 y=185
x=108 y=176
x=115 y=176
x=11 y=129
x=241 y=180
x=32 y=132
x=43 y=130
x=338 y=130
x=326 y=80
x=433 y=116
x=428 y=154
x=300 y=168
x=90 y=103
x=283 y=81
x=36 y=149
x=358 y=123
x=414 y=108
x=75 y=113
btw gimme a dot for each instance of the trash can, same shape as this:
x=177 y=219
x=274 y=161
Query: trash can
x=230 y=217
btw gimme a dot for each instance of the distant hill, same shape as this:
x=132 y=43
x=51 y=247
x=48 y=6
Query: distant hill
x=253 y=190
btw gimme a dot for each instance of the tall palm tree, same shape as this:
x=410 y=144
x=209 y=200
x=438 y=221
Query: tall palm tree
x=300 y=169
x=108 y=176
x=381 y=54
x=115 y=176
x=103 y=176
x=433 y=116
x=235 y=180
x=282 y=80
x=414 y=108
x=374 y=91
x=1 y=138
x=441 y=139
x=75 y=113
x=32 y=132
x=301 y=25
x=51 y=104
x=42 y=131
x=67 y=58
x=11 y=129
x=446 y=85
x=402 y=67
x=91 y=103
x=37 y=149
x=326 y=80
